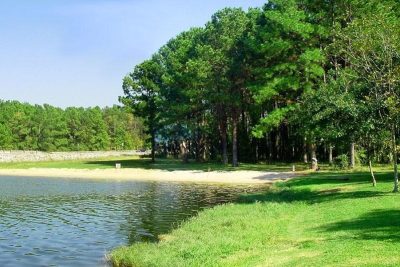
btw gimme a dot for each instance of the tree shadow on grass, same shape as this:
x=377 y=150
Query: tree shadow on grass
x=328 y=178
x=178 y=165
x=383 y=225
x=306 y=195
x=297 y=189
x=142 y=163
x=160 y=164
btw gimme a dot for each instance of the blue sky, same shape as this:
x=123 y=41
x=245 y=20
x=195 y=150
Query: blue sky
x=76 y=52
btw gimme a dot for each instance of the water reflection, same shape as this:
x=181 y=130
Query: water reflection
x=67 y=222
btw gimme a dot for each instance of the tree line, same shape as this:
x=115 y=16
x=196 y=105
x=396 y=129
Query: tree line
x=47 y=128
x=292 y=80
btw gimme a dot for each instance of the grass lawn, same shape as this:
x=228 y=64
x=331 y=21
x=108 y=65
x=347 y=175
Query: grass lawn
x=145 y=163
x=324 y=219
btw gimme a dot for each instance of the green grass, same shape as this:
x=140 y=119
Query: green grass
x=324 y=219
x=145 y=163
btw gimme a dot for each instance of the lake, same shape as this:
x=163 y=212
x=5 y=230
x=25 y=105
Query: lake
x=75 y=222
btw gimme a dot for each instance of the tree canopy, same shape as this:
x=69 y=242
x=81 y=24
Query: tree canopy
x=291 y=80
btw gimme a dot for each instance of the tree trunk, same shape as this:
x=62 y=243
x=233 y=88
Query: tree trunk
x=269 y=150
x=293 y=156
x=153 y=146
x=224 y=142
x=305 y=154
x=277 y=145
x=372 y=172
x=184 y=151
x=165 y=149
x=274 y=152
x=314 y=161
x=235 y=140
x=394 y=152
x=313 y=151
x=197 y=150
x=352 y=156
x=205 y=152
x=222 y=124
x=330 y=154
x=257 y=156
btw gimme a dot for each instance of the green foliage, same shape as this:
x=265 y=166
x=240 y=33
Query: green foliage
x=5 y=137
x=47 y=128
x=124 y=130
x=272 y=120
x=287 y=61
x=341 y=162
x=361 y=156
x=142 y=95
x=274 y=81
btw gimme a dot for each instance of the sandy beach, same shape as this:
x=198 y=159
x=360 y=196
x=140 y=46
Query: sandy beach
x=236 y=177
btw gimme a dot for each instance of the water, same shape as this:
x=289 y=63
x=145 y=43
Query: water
x=70 y=222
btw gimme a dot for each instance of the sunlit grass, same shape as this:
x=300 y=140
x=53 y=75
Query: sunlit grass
x=145 y=163
x=324 y=219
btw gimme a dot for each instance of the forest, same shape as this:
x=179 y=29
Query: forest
x=290 y=81
x=47 y=128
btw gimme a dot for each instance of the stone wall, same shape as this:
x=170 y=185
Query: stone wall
x=34 y=156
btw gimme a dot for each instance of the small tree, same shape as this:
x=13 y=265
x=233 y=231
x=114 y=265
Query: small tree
x=370 y=46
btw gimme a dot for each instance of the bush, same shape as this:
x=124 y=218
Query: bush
x=361 y=156
x=341 y=162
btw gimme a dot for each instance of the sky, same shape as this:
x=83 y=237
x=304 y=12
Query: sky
x=76 y=52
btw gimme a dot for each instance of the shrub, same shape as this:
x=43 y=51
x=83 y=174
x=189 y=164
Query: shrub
x=341 y=162
x=361 y=156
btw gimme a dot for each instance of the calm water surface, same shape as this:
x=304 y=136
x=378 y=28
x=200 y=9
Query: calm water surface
x=70 y=222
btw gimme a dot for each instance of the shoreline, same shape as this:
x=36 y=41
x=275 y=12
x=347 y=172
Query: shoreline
x=223 y=177
x=313 y=218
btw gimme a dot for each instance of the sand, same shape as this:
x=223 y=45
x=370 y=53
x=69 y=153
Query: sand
x=235 y=177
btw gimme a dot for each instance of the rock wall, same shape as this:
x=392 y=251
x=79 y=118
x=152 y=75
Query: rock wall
x=34 y=156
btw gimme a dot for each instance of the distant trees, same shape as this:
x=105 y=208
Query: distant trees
x=47 y=128
x=124 y=130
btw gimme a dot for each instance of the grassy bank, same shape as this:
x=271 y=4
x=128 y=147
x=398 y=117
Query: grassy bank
x=145 y=163
x=325 y=219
